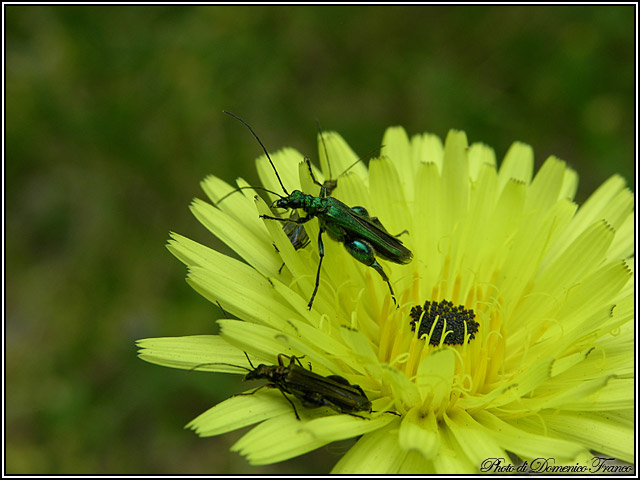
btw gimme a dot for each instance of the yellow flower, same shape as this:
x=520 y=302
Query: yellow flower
x=514 y=326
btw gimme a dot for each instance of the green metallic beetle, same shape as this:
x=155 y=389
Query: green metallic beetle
x=363 y=236
x=296 y=233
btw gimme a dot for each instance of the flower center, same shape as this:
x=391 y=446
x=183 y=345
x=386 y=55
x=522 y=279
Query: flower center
x=456 y=349
x=444 y=323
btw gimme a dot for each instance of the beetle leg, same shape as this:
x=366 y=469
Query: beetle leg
x=292 y=359
x=299 y=221
x=313 y=177
x=315 y=400
x=321 y=253
x=268 y=385
x=297 y=359
x=354 y=415
x=291 y=402
x=364 y=253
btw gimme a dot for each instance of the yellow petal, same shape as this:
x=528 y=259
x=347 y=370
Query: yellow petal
x=517 y=165
x=240 y=411
x=192 y=351
x=375 y=453
x=601 y=432
x=475 y=441
x=545 y=188
x=257 y=251
x=524 y=443
x=419 y=432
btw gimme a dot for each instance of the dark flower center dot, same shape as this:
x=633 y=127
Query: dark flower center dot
x=437 y=312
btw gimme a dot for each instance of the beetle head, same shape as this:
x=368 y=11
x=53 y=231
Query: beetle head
x=294 y=200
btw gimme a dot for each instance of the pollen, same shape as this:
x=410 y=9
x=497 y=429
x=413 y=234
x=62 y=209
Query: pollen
x=444 y=322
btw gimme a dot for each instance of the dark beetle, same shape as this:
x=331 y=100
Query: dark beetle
x=311 y=389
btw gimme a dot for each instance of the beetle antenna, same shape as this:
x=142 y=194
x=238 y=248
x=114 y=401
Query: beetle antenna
x=220 y=363
x=324 y=145
x=244 y=188
x=223 y=312
x=263 y=148
x=362 y=159
x=249 y=360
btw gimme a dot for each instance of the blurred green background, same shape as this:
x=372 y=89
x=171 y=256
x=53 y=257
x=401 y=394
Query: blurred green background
x=113 y=116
